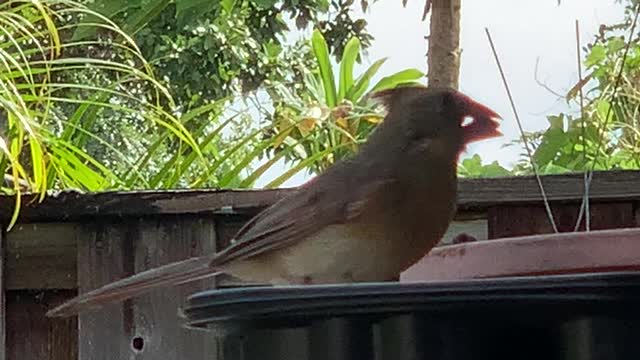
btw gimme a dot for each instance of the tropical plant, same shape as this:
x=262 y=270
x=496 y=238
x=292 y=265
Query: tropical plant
x=34 y=155
x=606 y=134
x=603 y=133
x=324 y=119
x=236 y=45
x=101 y=121
x=473 y=167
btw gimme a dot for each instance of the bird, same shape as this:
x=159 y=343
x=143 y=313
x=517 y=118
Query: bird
x=366 y=218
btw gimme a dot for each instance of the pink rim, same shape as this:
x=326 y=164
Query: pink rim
x=564 y=253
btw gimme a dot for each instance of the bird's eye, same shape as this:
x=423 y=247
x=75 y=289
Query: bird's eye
x=468 y=120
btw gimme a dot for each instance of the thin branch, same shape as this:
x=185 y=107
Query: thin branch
x=543 y=85
x=524 y=138
x=585 y=200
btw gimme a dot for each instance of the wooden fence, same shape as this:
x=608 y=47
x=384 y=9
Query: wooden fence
x=75 y=242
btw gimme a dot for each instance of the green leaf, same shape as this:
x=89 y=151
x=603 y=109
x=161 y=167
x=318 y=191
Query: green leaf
x=349 y=56
x=399 y=78
x=495 y=170
x=552 y=168
x=362 y=83
x=321 y=51
x=597 y=55
x=615 y=44
x=556 y=121
x=108 y=8
x=187 y=9
x=265 y=4
x=323 y=5
x=301 y=165
x=602 y=108
x=244 y=163
x=473 y=167
x=552 y=140
x=141 y=18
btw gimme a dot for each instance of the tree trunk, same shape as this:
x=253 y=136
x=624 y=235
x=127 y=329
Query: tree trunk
x=444 y=44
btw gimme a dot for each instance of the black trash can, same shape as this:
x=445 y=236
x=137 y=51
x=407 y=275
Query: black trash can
x=564 y=317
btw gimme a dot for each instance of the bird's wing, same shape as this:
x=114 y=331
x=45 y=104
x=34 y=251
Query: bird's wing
x=290 y=220
x=298 y=216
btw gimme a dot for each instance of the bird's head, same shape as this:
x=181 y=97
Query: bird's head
x=476 y=120
x=431 y=113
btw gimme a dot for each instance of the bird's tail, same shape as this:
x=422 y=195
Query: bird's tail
x=171 y=274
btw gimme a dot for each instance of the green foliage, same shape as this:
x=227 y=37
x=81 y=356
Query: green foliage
x=205 y=51
x=90 y=115
x=473 y=167
x=235 y=45
x=324 y=118
x=40 y=148
x=608 y=135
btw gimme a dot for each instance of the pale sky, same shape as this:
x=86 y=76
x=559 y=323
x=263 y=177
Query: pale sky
x=522 y=30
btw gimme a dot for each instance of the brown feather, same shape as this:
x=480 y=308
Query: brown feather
x=365 y=218
x=297 y=217
x=171 y=274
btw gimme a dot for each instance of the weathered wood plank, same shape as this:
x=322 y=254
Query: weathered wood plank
x=474 y=194
x=605 y=186
x=41 y=256
x=31 y=335
x=105 y=255
x=3 y=305
x=508 y=220
x=227 y=226
x=158 y=326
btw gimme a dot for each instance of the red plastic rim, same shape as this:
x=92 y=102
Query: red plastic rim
x=563 y=253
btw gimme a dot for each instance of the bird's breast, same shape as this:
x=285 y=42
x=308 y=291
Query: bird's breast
x=395 y=230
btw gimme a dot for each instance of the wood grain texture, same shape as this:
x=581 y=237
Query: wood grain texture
x=105 y=255
x=563 y=253
x=156 y=314
x=474 y=194
x=444 y=43
x=41 y=256
x=31 y=335
x=511 y=220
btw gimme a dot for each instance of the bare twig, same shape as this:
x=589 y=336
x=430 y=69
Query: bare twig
x=524 y=138
x=543 y=85
x=585 y=200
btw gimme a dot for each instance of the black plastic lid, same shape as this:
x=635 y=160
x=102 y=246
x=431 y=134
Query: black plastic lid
x=231 y=311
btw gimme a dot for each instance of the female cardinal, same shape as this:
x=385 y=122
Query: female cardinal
x=367 y=218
